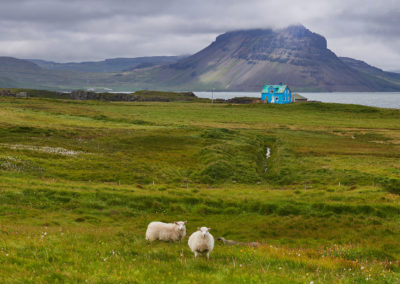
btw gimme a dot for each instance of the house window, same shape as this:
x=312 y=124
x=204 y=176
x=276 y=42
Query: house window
x=276 y=98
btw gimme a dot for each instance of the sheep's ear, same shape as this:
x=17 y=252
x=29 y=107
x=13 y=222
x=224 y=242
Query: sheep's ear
x=185 y=222
x=198 y=229
x=176 y=223
x=208 y=229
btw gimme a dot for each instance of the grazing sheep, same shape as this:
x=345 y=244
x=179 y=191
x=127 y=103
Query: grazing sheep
x=166 y=231
x=201 y=241
x=234 y=243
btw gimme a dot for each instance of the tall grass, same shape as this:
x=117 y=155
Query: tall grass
x=79 y=182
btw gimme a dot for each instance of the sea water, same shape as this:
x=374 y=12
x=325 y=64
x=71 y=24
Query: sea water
x=377 y=99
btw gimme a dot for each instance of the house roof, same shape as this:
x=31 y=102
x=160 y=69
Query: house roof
x=277 y=88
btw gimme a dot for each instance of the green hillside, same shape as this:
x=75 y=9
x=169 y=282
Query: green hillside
x=8 y=83
x=80 y=181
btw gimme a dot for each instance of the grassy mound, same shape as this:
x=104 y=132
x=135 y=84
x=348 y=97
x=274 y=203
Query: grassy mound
x=142 y=96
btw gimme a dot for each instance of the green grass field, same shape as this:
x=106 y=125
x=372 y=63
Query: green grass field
x=80 y=181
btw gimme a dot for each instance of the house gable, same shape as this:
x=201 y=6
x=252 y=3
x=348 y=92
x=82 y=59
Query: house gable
x=280 y=94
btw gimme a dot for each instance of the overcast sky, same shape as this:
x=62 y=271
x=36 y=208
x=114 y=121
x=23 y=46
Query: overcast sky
x=77 y=30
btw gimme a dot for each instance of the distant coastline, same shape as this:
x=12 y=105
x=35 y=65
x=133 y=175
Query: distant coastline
x=374 y=99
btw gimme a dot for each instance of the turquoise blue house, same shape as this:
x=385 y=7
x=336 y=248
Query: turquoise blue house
x=277 y=94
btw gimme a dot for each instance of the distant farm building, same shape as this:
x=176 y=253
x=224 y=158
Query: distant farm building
x=277 y=94
x=299 y=98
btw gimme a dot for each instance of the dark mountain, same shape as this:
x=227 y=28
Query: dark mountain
x=109 y=65
x=12 y=69
x=25 y=74
x=10 y=66
x=8 y=83
x=246 y=60
x=370 y=70
x=13 y=64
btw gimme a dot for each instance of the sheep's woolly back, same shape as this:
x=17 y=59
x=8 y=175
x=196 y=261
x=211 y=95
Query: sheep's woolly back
x=164 y=232
x=198 y=243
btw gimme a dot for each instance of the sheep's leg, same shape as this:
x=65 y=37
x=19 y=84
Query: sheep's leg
x=208 y=255
x=195 y=254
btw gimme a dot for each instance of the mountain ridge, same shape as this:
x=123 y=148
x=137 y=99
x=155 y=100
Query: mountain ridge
x=118 y=64
x=242 y=60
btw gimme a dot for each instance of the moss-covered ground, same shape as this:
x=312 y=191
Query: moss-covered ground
x=80 y=180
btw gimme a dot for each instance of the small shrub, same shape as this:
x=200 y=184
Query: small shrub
x=365 y=209
x=288 y=209
x=178 y=208
x=142 y=122
x=204 y=210
x=267 y=209
x=231 y=210
x=392 y=185
x=285 y=176
x=216 y=133
x=216 y=172
x=100 y=117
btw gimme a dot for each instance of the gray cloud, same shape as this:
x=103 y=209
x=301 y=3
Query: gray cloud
x=96 y=29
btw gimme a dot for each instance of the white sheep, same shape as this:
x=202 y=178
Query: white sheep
x=201 y=241
x=166 y=231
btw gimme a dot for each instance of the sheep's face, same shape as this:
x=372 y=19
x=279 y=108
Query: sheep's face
x=204 y=231
x=181 y=225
